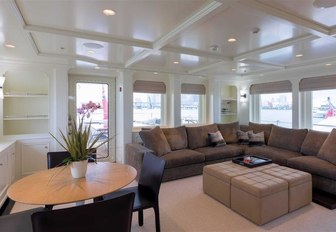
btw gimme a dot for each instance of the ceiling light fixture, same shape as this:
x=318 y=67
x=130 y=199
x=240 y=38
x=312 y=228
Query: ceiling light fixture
x=9 y=46
x=91 y=52
x=109 y=12
x=233 y=70
x=155 y=73
x=328 y=64
x=324 y=3
x=93 y=45
x=232 y=40
x=176 y=62
x=299 y=55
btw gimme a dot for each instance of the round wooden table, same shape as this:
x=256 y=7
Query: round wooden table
x=57 y=186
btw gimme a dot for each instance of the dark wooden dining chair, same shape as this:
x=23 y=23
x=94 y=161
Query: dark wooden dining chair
x=147 y=191
x=18 y=222
x=113 y=215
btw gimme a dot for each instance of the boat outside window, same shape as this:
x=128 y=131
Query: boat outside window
x=324 y=110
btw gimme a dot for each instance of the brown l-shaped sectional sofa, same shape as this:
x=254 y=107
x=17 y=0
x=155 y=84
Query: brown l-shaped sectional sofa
x=187 y=150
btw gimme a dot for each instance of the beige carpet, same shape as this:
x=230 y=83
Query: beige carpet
x=184 y=207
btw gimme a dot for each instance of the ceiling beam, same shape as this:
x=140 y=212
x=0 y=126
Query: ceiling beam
x=206 y=67
x=195 y=52
x=165 y=39
x=262 y=64
x=288 y=16
x=275 y=46
x=89 y=35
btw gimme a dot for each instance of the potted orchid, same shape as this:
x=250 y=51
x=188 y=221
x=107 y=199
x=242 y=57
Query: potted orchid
x=78 y=140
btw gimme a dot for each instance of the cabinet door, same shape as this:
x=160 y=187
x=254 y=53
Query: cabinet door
x=11 y=163
x=34 y=157
x=3 y=176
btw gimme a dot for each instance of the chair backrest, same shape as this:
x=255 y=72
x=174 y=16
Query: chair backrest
x=55 y=158
x=110 y=215
x=151 y=174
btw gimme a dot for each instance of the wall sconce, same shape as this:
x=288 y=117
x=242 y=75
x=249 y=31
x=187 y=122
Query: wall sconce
x=2 y=81
x=243 y=96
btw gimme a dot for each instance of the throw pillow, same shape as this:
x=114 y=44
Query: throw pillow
x=155 y=140
x=257 y=139
x=327 y=151
x=216 y=139
x=243 y=137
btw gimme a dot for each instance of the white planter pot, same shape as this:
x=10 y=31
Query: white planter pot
x=78 y=168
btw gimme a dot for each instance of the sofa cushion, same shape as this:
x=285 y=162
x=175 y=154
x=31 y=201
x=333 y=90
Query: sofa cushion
x=313 y=165
x=289 y=139
x=198 y=136
x=328 y=149
x=155 y=140
x=244 y=127
x=243 y=137
x=258 y=127
x=216 y=139
x=229 y=131
x=313 y=142
x=257 y=139
x=176 y=137
x=223 y=152
x=182 y=157
x=278 y=155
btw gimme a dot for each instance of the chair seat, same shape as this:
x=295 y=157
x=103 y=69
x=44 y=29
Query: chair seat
x=18 y=222
x=141 y=201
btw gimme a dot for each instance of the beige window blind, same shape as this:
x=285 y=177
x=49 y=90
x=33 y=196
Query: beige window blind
x=318 y=83
x=192 y=89
x=272 y=87
x=149 y=87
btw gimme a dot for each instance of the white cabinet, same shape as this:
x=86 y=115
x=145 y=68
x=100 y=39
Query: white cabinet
x=7 y=169
x=34 y=156
x=229 y=104
x=26 y=103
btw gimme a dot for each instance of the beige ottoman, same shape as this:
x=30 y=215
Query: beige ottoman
x=299 y=185
x=259 y=197
x=217 y=179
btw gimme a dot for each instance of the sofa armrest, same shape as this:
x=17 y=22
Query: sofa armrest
x=134 y=156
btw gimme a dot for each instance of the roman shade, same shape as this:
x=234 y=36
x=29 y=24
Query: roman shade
x=318 y=83
x=149 y=87
x=192 y=89
x=272 y=87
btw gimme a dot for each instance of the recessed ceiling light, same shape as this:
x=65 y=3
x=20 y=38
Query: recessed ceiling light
x=109 y=12
x=91 y=52
x=231 y=40
x=9 y=46
x=97 y=67
x=299 y=55
x=233 y=69
x=155 y=73
x=176 y=62
x=93 y=45
x=328 y=64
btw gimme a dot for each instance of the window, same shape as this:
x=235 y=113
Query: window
x=147 y=103
x=276 y=108
x=323 y=95
x=146 y=109
x=192 y=103
x=272 y=103
x=323 y=110
x=191 y=108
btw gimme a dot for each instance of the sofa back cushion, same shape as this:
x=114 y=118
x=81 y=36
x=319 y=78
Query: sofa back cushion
x=328 y=149
x=313 y=142
x=155 y=140
x=229 y=131
x=289 y=139
x=257 y=128
x=198 y=136
x=176 y=137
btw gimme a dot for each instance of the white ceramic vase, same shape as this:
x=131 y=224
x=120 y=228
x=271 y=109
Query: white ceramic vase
x=78 y=168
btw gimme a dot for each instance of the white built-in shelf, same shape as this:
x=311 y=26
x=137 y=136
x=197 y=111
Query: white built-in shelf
x=229 y=99
x=28 y=117
x=229 y=113
x=20 y=94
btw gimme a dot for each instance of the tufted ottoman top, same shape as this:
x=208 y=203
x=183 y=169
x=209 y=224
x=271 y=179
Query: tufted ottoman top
x=292 y=176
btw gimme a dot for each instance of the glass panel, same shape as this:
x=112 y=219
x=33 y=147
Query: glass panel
x=324 y=111
x=190 y=108
x=92 y=98
x=146 y=109
x=276 y=108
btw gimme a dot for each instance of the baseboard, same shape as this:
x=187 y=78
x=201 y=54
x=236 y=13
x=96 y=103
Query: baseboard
x=6 y=207
x=325 y=199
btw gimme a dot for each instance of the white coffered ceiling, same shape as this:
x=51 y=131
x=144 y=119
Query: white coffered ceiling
x=153 y=34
